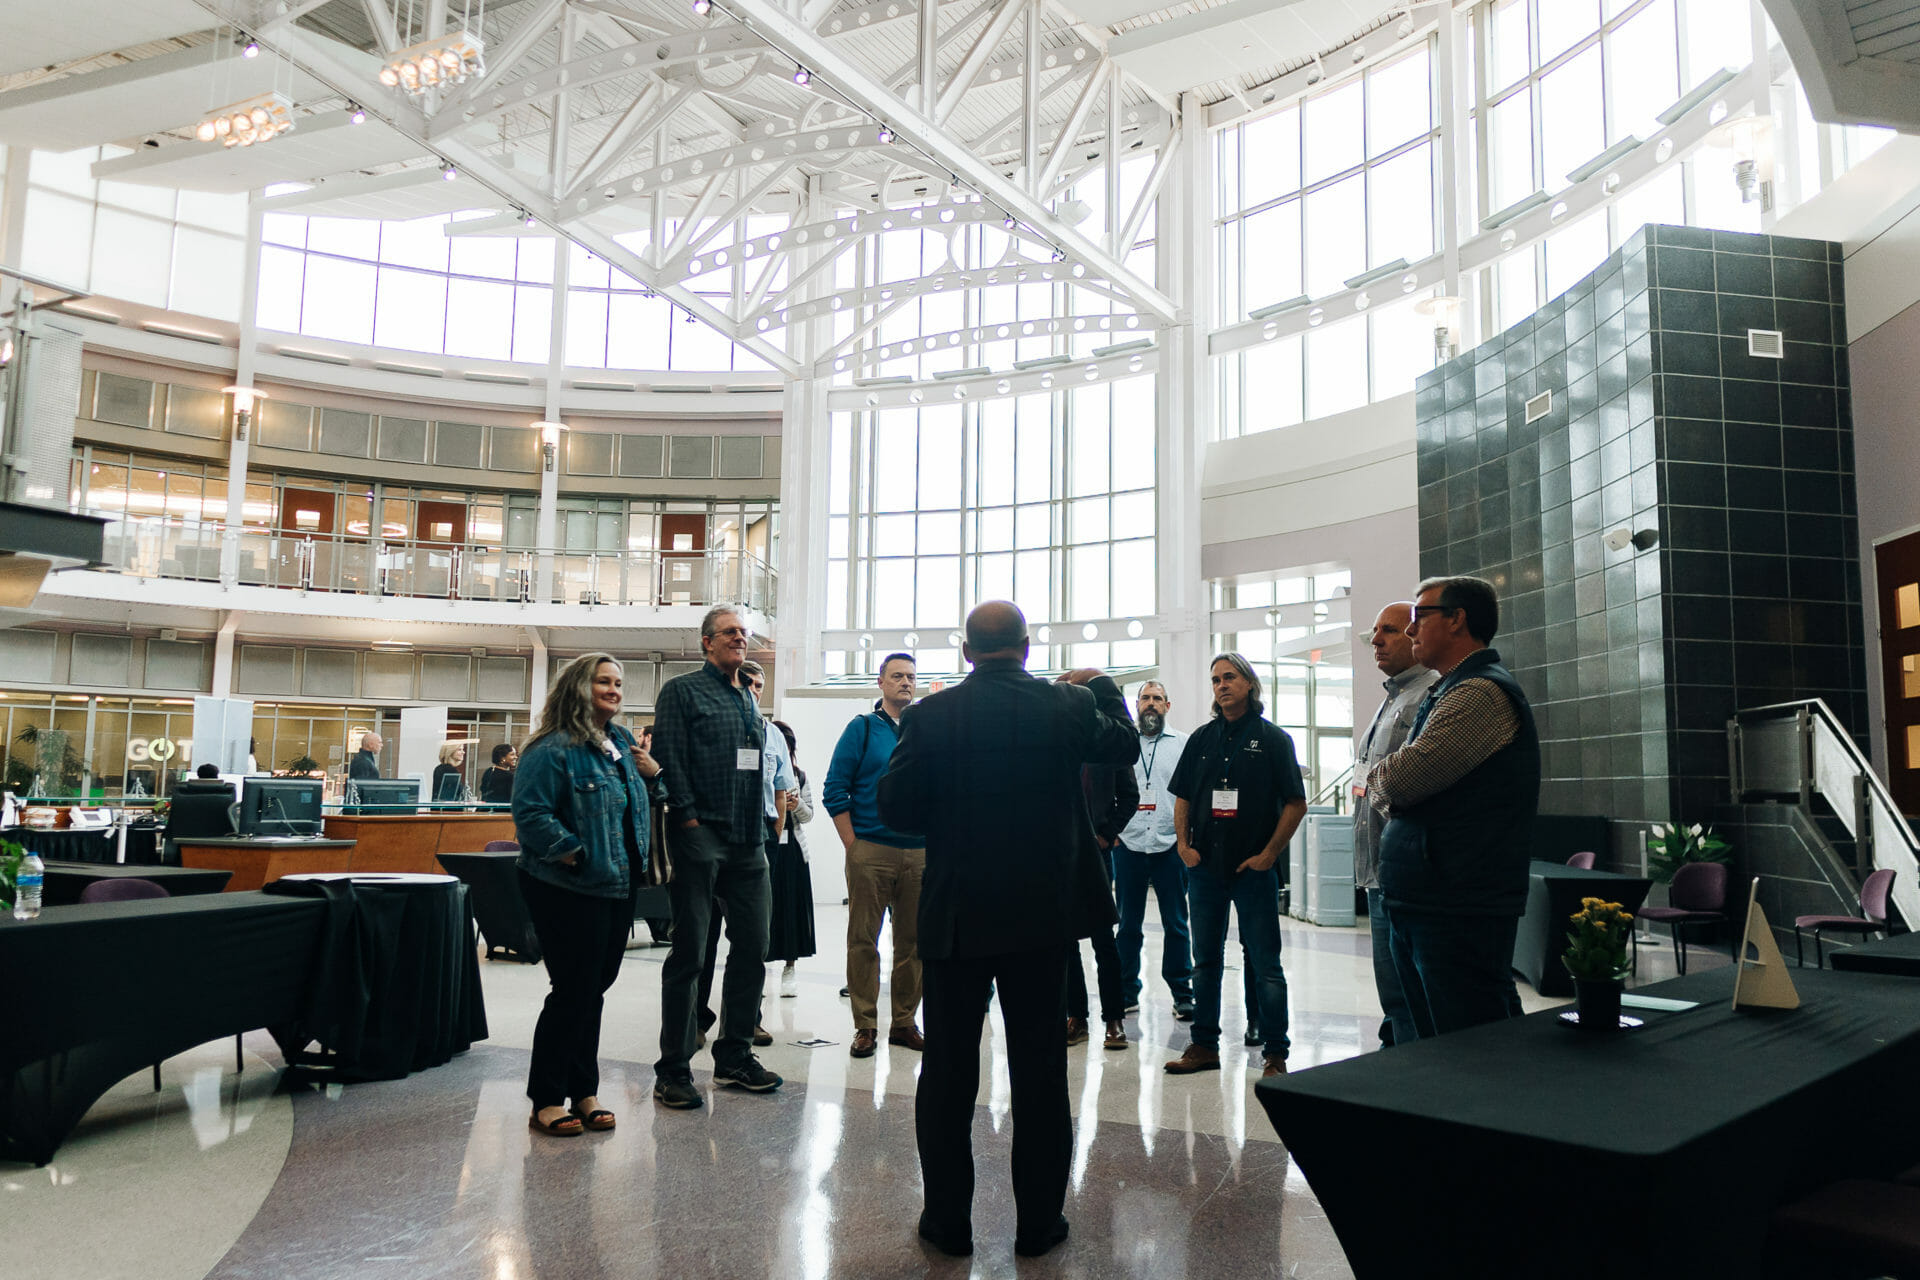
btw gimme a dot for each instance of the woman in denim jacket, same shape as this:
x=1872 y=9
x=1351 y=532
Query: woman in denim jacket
x=580 y=813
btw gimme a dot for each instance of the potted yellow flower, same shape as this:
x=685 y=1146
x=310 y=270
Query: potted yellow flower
x=1597 y=958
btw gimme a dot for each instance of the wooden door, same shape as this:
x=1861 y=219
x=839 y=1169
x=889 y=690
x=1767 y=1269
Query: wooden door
x=1896 y=566
x=444 y=522
x=307 y=511
x=683 y=549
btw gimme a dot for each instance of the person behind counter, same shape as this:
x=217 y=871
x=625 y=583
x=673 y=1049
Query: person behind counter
x=496 y=784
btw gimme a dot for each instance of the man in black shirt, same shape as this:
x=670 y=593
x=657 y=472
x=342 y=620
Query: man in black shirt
x=366 y=761
x=1238 y=798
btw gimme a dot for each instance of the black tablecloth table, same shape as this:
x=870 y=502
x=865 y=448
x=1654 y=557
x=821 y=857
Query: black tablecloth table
x=498 y=909
x=1531 y=1148
x=1898 y=955
x=68 y=845
x=67 y=880
x=99 y=991
x=1554 y=890
x=399 y=987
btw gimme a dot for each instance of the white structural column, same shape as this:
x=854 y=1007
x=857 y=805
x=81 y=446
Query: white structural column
x=806 y=434
x=13 y=207
x=1183 y=417
x=237 y=447
x=223 y=653
x=1451 y=57
x=546 y=521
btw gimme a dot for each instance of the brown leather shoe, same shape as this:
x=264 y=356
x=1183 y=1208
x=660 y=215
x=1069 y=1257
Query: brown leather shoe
x=1076 y=1031
x=1116 y=1035
x=762 y=1037
x=1196 y=1058
x=864 y=1042
x=1275 y=1067
x=907 y=1037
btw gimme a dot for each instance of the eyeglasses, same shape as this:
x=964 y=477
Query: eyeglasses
x=1434 y=608
x=733 y=631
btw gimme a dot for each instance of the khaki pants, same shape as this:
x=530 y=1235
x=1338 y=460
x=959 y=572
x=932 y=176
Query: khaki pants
x=881 y=878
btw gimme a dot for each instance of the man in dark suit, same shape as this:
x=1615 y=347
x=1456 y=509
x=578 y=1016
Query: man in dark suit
x=366 y=761
x=990 y=773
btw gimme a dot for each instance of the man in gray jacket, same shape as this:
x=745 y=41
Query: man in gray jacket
x=1407 y=683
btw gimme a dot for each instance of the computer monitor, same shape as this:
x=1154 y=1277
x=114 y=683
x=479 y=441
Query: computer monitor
x=199 y=810
x=280 y=807
x=381 y=793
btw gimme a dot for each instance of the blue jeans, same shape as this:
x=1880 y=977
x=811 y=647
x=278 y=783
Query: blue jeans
x=1255 y=899
x=1456 y=970
x=1132 y=874
x=1386 y=979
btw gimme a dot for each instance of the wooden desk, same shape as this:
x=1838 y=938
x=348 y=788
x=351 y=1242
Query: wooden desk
x=260 y=862
x=412 y=841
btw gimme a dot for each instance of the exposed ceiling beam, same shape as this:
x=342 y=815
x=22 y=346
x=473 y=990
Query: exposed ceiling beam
x=914 y=127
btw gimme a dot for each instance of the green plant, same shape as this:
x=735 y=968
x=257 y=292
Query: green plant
x=1670 y=847
x=1597 y=947
x=302 y=764
x=11 y=856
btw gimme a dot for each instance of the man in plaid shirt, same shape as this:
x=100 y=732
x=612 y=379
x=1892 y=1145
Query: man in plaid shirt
x=710 y=741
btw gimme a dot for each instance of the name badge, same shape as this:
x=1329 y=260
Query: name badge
x=1359 y=791
x=1226 y=803
x=783 y=833
x=1148 y=807
x=747 y=758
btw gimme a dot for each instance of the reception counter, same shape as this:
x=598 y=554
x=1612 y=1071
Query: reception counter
x=258 y=862
x=412 y=841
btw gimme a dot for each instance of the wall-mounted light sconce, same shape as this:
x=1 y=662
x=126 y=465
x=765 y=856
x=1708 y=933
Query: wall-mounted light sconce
x=549 y=443
x=1750 y=139
x=244 y=398
x=1622 y=538
x=1445 y=310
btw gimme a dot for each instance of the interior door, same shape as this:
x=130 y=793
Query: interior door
x=683 y=550
x=1896 y=566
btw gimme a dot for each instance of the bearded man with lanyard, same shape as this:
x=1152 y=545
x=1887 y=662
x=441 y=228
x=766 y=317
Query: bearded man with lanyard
x=1238 y=797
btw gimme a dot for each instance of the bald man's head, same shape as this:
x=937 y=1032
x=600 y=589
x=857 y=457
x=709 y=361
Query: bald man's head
x=996 y=629
x=1392 y=648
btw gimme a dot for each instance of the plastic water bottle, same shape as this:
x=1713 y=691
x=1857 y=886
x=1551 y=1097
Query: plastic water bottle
x=28 y=884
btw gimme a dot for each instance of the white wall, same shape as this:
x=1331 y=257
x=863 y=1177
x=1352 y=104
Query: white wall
x=1339 y=490
x=817 y=717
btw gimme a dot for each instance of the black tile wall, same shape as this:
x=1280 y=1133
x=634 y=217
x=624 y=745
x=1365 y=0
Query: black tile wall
x=1659 y=420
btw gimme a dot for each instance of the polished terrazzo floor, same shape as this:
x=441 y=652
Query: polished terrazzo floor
x=231 y=1176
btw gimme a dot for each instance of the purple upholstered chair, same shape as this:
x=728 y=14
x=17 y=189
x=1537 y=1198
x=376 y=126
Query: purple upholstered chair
x=121 y=890
x=502 y=846
x=1875 y=893
x=1582 y=860
x=1698 y=896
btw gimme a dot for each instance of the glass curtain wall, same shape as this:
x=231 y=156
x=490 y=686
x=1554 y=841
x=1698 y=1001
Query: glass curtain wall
x=1306 y=669
x=1046 y=500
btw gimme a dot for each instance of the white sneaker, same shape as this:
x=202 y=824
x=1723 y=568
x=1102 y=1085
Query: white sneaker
x=789 y=985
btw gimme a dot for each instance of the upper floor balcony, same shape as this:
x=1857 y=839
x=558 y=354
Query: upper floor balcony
x=222 y=566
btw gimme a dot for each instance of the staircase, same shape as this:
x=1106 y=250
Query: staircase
x=1800 y=753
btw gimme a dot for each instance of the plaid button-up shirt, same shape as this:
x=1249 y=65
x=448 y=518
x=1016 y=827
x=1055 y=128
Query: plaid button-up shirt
x=701 y=723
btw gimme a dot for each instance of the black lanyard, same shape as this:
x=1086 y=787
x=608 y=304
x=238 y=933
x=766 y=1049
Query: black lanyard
x=749 y=714
x=1155 y=755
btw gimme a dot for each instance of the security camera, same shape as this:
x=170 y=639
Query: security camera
x=1619 y=539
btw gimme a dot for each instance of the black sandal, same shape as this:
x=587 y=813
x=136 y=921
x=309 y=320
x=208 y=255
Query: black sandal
x=566 y=1126
x=599 y=1119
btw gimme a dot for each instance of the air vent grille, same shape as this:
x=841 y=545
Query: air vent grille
x=1540 y=406
x=1767 y=344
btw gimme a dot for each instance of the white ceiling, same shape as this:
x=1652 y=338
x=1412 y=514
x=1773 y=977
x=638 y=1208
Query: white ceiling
x=1235 y=39
x=41 y=33
x=319 y=146
x=153 y=95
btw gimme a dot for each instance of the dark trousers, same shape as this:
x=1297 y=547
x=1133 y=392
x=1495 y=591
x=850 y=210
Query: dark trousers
x=706 y=1015
x=708 y=866
x=1133 y=874
x=1254 y=899
x=1386 y=978
x=1030 y=985
x=1106 y=966
x=582 y=940
x=1455 y=970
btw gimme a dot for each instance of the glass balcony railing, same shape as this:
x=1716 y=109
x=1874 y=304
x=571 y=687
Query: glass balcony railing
x=201 y=551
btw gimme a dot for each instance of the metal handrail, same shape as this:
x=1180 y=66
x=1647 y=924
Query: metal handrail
x=1800 y=748
x=1337 y=789
x=212 y=551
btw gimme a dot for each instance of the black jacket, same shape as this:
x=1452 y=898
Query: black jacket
x=364 y=764
x=1113 y=797
x=990 y=772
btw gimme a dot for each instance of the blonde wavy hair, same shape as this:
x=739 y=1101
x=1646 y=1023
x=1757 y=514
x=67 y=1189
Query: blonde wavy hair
x=569 y=705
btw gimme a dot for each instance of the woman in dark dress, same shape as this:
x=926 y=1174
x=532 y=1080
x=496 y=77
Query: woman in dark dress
x=790 y=935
